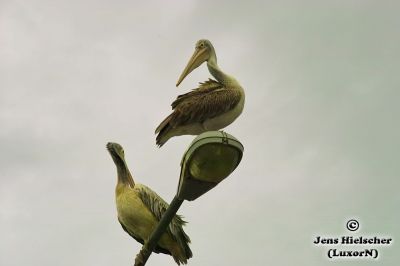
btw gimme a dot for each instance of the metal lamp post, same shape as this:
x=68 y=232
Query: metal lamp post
x=210 y=158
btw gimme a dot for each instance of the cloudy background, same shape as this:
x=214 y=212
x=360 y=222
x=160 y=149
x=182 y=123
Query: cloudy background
x=320 y=126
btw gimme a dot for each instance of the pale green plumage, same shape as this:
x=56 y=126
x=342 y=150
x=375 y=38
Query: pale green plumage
x=140 y=209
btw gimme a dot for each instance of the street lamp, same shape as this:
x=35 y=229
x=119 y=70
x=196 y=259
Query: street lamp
x=210 y=158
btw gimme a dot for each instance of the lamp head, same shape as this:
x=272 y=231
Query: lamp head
x=210 y=158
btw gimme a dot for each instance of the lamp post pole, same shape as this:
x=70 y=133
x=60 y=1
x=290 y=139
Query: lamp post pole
x=148 y=247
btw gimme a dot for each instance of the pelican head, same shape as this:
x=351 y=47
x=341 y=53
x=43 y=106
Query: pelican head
x=202 y=53
x=117 y=152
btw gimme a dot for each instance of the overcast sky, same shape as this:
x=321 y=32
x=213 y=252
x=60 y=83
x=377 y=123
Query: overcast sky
x=320 y=126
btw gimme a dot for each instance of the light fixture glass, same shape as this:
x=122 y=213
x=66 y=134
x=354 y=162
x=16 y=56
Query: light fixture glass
x=213 y=162
x=210 y=158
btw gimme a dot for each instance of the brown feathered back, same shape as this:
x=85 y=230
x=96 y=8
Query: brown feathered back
x=207 y=101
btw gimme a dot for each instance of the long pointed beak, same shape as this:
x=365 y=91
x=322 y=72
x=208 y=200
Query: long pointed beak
x=199 y=56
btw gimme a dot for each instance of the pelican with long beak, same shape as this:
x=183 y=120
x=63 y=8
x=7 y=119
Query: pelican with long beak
x=214 y=105
x=140 y=209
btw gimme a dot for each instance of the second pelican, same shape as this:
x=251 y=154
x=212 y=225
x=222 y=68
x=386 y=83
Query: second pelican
x=140 y=209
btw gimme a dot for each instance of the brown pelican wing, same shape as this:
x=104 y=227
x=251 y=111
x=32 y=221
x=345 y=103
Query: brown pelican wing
x=158 y=207
x=208 y=101
x=205 y=87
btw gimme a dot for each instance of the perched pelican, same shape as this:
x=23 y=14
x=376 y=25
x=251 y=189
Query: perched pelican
x=212 y=106
x=140 y=209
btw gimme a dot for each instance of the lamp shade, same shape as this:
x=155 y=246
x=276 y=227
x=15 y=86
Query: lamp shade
x=210 y=158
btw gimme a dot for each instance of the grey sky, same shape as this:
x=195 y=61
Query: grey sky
x=320 y=126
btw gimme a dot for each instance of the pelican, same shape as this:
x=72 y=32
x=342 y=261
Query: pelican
x=140 y=209
x=214 y=105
